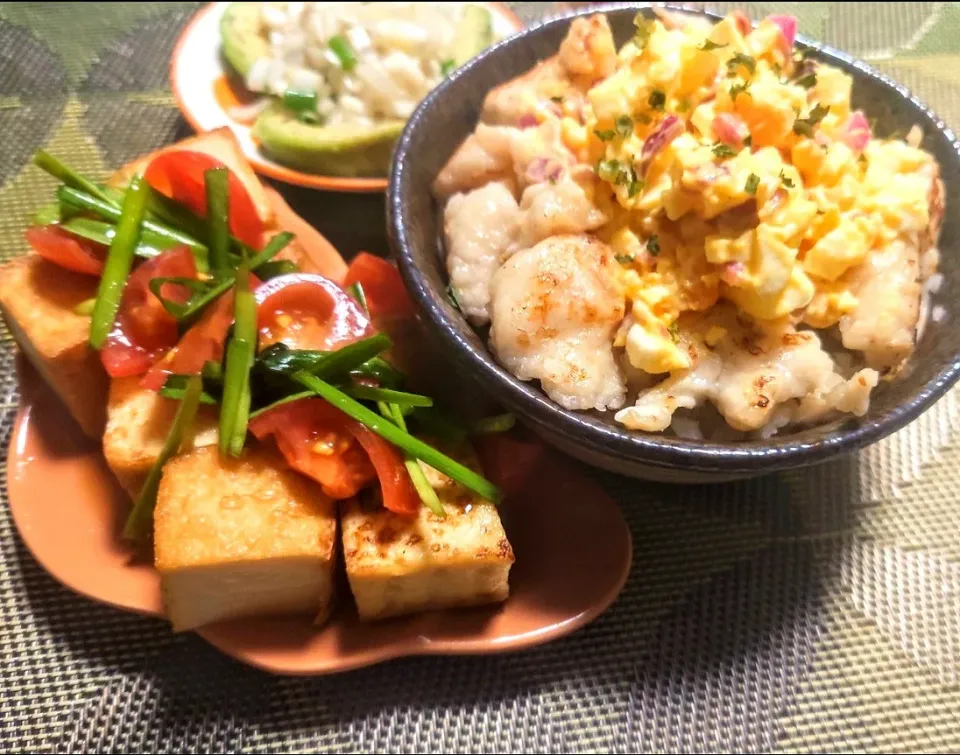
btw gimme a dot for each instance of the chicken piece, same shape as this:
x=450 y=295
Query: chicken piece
x=138 y=421
x=37 y=301
x=242 y=537
x=564 y=207
x=588 y=50
x=555 y=308
x=748 y=369
x=483 y=157
x=515 y=101
x=887 y=287
x=479 y=227
x=398 y=565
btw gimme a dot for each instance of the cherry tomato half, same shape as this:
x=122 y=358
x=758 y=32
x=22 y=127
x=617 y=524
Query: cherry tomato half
x=66 y=250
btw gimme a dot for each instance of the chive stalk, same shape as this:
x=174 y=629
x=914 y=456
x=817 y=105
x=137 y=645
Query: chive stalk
x=216 y=183
x=116 y=268
x=140 y=519
x=67 y=175
x=403 y=440
x=417 y=476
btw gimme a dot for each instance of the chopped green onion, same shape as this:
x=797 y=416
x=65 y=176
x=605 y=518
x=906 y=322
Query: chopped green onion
x=273 y=268
x=116 y=268
x=379 y=369
x=299 y=101
x=447 y=67
x=357 y=292
x=179 y=394
x=753 y=183
x=165 y=210
x=310 y=118
x=235 y=407
x=75 y=198
x=284 y=400
x=100 y=232
x=709 y=45
x=85 y=307
x=350 y=357
x=653 y=244
x=499 y=423
x=45 y=161
x=402 y=398
x=403 y=440
x=46 y=215
x=420 y=482
x=341 y=48
x=141 y=516
x=722 y=150
x=173 y=307
x=741 y=59
x=216 y=182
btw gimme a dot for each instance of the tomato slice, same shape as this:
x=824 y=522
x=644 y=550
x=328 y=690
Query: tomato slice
x=307 y=311
x=66 y=250
x=179 y=175
x=387 y=299
x=144 y=330
x=338 y=452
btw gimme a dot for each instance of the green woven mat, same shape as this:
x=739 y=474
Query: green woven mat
x=804 y=611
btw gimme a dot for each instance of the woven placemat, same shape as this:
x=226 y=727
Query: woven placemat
x=802 y=611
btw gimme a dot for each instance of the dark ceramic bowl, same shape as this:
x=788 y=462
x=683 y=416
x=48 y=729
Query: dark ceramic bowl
x=450 y=113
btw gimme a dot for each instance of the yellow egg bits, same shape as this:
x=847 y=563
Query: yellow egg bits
x=731 y=177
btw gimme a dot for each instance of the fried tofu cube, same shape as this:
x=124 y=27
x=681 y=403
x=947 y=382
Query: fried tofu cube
x=37 y=300
x=399 y=565
x=138 y=421
x=242 y=537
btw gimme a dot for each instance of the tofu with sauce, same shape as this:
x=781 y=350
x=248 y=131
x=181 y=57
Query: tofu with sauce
x=399 y=565
x=242 y=537
x=138 y=421
x=37 y=300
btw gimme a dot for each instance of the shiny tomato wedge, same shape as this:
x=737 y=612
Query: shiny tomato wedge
x=337 y=451
x=387 y=299
x=144 y=330
x=66 y=250
x=179 y=175
x=307 y=311
x=203 y=342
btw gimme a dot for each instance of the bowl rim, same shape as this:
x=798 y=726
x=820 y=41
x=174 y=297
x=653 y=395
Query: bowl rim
x=621 y=444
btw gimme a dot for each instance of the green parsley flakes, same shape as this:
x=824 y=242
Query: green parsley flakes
x=753 y=182
x=657 y=99
x=624 y=126
x=723 y=151
x=653 y=245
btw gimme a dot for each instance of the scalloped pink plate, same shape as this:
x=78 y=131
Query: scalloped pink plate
x=572 y=546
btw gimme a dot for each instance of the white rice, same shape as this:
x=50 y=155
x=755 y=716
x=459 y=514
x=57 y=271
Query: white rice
x=401 y=50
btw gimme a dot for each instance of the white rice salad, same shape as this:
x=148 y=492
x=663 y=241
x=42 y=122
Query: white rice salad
x=365 y=62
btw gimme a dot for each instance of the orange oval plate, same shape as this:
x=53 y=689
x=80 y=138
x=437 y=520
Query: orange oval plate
x=199 y=83
x=572 y=546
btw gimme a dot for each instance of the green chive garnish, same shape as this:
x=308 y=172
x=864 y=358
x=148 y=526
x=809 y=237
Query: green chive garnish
x=388 y=395
x=116 y=268
x=403 y=440
x=45 y=161
x=420 y=482
x=216 y=182
x=298 y=101
x=140 y=519
x=341 y=48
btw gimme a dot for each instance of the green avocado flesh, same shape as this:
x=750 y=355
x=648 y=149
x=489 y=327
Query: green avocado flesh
x=328 y=150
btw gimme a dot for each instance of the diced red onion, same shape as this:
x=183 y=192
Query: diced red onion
x=543 y=169
x=857 y=132
x=788 y=28
x=528 y=120
x=742 y=22
x=669 y=129
x=730 y=129
x=732 y=273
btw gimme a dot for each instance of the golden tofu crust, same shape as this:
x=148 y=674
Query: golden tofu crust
x=37 y=301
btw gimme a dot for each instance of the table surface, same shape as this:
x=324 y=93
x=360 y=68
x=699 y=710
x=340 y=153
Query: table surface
x=800 y=611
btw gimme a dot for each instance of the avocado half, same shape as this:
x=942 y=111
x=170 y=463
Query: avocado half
x=326 y=150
